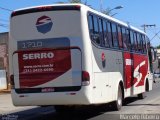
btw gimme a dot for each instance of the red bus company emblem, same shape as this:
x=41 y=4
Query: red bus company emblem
x=44 y=24
x=103 y=58
x=139 y=75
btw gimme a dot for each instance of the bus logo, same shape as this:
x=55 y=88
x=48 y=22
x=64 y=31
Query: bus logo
x=139 y=75
x=44 y=24
x=103 y=58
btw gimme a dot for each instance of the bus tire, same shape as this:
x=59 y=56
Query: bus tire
x=60 y=108
x=147 y=86
x=63 y=109
x=141 y=95
x=117 y=105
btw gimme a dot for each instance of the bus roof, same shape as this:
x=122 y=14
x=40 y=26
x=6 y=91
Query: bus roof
x=115 y=20
x=87 y=8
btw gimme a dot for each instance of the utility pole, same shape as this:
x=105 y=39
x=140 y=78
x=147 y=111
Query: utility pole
x=146 y=26
x=101 y=5
x=86 y=2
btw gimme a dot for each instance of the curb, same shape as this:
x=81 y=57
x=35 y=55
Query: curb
x=5 y=91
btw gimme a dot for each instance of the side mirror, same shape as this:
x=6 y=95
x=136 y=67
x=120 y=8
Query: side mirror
x=153 y=54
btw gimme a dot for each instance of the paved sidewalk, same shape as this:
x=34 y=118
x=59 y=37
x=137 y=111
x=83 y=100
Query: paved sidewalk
x=4 y=92
x=9 y=112
x=6 y=105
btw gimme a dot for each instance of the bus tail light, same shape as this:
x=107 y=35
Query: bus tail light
x=12 y=82
x=78 y=6
x=85 y=78
x=45 y=7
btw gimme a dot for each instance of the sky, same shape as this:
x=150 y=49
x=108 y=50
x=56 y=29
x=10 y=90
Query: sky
x=134 y=12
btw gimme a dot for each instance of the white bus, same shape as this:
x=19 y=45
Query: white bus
x=69 y=55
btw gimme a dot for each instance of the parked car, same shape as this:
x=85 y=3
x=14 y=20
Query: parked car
x=157 y=75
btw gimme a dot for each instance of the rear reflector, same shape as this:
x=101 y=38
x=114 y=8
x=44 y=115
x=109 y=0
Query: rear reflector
x=72 y=93
x=85 y=78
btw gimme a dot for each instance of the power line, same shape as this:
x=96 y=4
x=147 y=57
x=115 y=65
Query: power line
x=155 y=35
x=6 y=9
x=153 y=29
x=158 y=36
x=146 y=26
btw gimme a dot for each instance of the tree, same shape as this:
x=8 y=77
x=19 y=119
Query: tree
x=60 y=2
x=158 y=47
x=75 y=1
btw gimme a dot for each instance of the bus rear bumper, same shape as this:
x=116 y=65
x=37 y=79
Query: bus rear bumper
x=52 y=98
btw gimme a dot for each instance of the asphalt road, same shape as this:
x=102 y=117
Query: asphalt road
x=148 y=108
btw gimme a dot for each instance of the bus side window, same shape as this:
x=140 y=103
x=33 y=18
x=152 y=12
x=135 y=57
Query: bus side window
x=138 y=42
x=114 y=35
x=120 y=37
x=141 y=44
x=144 y=44
x=90 y=22
x=135 y=40
x=124 y=36
x=128 y=40
x=105 y=41
x=101 y=31
x=96 y=37
x=132 y=40
x=109 y=34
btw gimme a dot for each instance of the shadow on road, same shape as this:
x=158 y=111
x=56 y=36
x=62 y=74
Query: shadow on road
x=82 y=113
x=49 y=113
x=79 y=114
x=130 y=100
x=26 y=114
x=144 y=105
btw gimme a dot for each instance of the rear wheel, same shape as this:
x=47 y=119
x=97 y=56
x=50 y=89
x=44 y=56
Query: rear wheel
x=64 y=109
x=117 y=105
x=60 y=109
x=141 y=95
